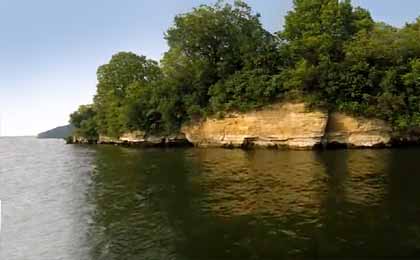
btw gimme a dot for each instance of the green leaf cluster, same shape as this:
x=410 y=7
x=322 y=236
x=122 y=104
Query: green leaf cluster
x=84 y=120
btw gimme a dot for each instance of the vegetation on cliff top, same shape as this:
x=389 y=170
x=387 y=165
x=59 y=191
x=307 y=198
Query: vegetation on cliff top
x=220 y=58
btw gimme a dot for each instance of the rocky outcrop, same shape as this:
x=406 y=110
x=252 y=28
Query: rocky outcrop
x=103 y=139
x=288 y=125
x=135 y=137
x=283 y=125
x=344 y=130
x=138 y=138
x=80 y=140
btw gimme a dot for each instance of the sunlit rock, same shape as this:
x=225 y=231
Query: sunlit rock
x=289 y=125
x=135 y=137
x=357 y=131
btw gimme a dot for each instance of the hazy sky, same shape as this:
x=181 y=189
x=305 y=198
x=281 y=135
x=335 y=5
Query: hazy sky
x=50 y=49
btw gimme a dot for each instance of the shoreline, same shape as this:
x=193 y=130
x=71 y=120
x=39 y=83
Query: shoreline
x=395 y=144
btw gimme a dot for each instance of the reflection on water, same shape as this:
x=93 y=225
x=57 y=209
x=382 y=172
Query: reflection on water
x=228 y=204
x=234 y=204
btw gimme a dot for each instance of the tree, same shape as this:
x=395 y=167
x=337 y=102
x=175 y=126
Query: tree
x=85 y=122
x=317 y=29
x=315 y=35
x=114 y=81
x=209 y=45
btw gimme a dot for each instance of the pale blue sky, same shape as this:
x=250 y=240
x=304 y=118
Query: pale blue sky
x=50 y=49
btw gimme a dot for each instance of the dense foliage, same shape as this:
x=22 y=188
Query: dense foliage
x=84 y=120
x=220 y=58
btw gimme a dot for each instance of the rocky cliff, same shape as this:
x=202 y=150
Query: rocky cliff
x=80 y=140
x=139 y=138
x=289 y=125
x=356 y=131
x=282 y=125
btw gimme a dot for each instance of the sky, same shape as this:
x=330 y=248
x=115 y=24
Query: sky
x=50 y=49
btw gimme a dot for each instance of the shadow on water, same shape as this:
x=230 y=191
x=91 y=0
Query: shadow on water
x=365 y=208
x=262 y=204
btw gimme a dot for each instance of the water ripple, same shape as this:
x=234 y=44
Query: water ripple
x=86 y=202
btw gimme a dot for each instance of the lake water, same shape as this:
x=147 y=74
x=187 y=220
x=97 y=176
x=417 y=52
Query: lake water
x=103 y=202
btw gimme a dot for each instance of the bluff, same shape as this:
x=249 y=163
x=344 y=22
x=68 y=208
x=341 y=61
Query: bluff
x=289 y=125
x=280 y=125
x=284 y=125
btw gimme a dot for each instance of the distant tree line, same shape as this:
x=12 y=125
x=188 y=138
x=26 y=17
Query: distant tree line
x=330 y=54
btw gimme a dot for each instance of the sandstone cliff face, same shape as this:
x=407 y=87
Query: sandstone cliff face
x=288 y=125
x=282 y=125
x=136 y=136
x=103 y=139
x=357 y=132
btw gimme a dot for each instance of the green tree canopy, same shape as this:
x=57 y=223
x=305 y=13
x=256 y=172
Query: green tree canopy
x=85 y=122
x=317 y=29
x=211 y=44
x=114 y=81
x=220 y=58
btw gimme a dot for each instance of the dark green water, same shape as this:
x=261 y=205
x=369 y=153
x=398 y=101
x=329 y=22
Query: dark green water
x=105 y=202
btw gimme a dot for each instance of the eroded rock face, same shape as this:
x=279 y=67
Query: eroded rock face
x=80 y=140
x=136 y=137
x=288 y=125
x=282 y=125
x=108 y=140
x=357 y=131
x=139 y=138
